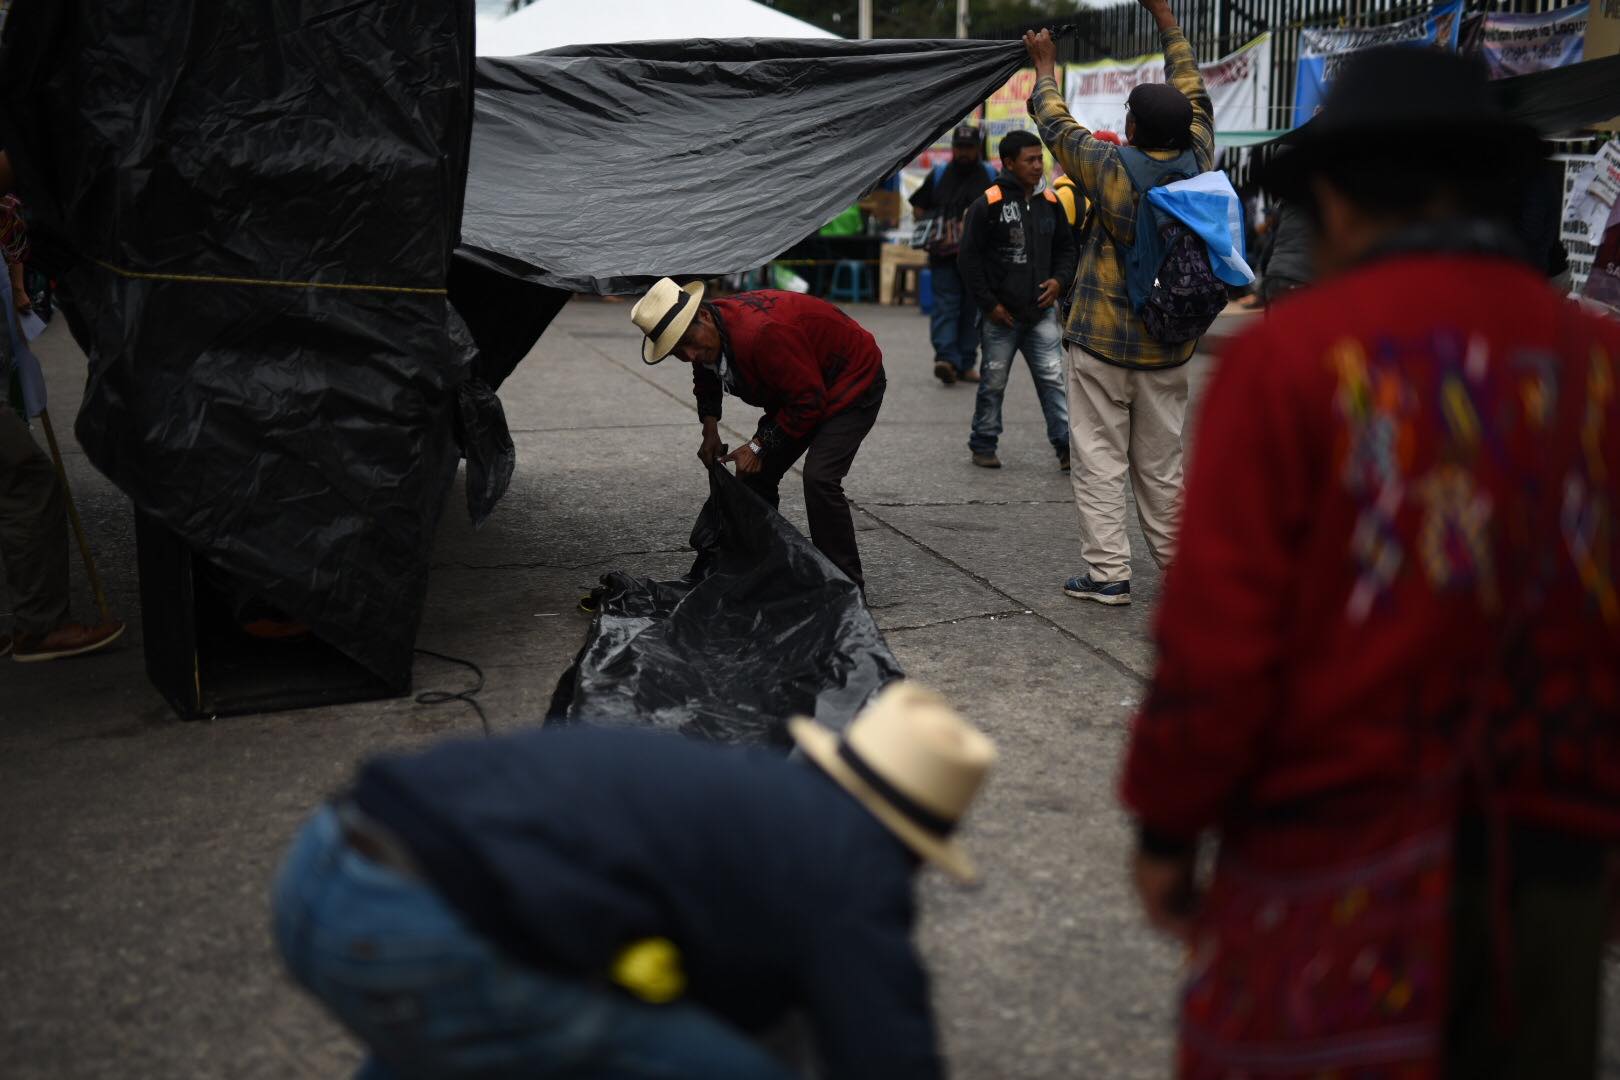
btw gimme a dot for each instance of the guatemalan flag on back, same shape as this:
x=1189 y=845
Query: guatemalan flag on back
x=1209 y=206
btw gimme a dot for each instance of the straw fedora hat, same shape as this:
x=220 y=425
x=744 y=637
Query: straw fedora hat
x=913 y=762
x=663 y=315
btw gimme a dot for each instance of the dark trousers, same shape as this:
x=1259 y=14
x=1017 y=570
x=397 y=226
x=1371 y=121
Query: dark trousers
x=1543 y=1021
x=828 y=453
x=33 y=530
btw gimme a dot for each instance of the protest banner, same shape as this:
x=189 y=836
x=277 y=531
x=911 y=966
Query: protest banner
x=1322 y=51
x=1008 y=110
x=1239 y=86
x=1603 y=281
x=1594 y=190
x=1519 y=44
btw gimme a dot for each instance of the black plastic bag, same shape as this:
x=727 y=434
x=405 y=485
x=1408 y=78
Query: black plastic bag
x=601 y=168
x=762 y=629
x=250 y=206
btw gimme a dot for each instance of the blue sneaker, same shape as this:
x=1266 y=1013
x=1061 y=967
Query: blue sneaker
x=1104 y=592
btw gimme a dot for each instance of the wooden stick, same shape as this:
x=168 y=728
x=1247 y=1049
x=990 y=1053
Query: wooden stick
x=73 y=516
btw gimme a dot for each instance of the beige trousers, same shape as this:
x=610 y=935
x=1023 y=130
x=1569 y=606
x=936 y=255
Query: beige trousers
x=1122 y=421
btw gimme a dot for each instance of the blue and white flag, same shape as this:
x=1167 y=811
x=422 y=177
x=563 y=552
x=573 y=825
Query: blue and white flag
x=1322 y=51
x=1208 y=206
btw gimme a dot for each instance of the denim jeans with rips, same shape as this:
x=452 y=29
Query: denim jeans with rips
x=1042 y=345
x=431 y=998
x=953 y=325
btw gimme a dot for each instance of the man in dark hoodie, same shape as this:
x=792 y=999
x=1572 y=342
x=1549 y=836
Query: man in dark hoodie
x=1017 y=258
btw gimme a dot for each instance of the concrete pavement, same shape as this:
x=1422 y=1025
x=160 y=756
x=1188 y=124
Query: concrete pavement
x=137 y=850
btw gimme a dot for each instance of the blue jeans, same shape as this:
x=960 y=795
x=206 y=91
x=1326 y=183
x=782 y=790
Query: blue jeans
x=430 y=998
x=1042 y=346
x=953 y=325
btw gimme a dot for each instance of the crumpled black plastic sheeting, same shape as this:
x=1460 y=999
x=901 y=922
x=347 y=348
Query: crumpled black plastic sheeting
x=601 y=168
x=301 y=437
x=762 y=629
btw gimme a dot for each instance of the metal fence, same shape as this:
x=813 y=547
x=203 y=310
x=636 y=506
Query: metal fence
x=1218 y=27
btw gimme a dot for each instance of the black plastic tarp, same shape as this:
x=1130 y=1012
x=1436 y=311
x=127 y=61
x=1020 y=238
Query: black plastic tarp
x=601 y=168
x=1554 y=102
x=763 y=628
x=251 y=207
x=1564 y=99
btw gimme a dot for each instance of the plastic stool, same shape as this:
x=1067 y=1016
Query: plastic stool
x=849 y=281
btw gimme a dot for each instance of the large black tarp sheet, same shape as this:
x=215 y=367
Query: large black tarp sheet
x=251 y=207
x=601 y=168
x=763 y=628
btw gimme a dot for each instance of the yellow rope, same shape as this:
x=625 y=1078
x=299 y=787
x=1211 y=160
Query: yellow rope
x=211 y=279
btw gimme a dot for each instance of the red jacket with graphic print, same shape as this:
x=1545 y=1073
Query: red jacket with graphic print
x=799 y=358
x=1401 y=539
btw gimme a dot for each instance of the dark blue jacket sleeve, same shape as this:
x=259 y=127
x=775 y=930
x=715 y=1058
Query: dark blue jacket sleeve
x=868 y=1000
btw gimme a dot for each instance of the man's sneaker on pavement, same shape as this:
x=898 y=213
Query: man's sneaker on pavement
x=970 y=375
x=945 y=372
x=1063 y=459
x=986 y=461
x=70 y=640
x=1104 y=592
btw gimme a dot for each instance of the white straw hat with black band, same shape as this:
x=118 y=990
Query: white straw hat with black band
x=911 y=760
x=663 y=315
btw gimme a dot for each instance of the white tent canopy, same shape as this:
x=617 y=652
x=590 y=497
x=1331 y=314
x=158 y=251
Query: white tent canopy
x=551 y=24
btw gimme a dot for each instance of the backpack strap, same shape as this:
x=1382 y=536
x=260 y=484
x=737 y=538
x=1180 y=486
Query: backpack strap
x=1149 y=172
x=993 y=194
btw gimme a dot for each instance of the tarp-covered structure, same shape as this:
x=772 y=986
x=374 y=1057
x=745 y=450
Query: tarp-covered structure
x=251 y=206
x=251 y=210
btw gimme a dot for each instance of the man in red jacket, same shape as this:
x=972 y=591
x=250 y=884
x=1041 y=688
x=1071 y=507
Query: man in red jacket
x=815 y=371
x=1388 y=675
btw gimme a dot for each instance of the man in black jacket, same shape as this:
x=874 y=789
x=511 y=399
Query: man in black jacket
x=615 y=903
x=953 y=324
x=1017 y=258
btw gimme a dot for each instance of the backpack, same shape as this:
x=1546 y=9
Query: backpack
x=941 y=236
x=1169 y=280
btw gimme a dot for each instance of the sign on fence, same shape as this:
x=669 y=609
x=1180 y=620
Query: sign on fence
x=1322 y=51
x=1239 y=86
x=1519 y=44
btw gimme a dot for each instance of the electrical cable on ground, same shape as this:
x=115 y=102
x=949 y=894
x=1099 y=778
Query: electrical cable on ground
x=445 y=697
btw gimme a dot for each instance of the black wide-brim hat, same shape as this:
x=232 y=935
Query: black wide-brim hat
x=1399 y=100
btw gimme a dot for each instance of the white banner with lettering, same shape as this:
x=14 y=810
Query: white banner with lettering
x=1239 y=85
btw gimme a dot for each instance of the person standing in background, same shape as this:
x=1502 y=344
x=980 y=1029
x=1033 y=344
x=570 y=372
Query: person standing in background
x=1017 y=259
x=1127 y=390
x=953 y=325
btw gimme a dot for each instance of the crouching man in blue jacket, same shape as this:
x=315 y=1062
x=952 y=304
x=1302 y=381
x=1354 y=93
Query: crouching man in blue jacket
x=613 y=903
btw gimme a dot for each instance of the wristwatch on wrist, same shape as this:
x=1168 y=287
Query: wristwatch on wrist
x=754 y=446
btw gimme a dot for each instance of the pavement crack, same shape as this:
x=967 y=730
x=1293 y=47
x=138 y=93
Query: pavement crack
x=1102 y=654
x=988 y=615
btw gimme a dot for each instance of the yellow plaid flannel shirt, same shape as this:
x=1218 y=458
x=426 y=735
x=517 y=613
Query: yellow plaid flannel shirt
x=1101 y=321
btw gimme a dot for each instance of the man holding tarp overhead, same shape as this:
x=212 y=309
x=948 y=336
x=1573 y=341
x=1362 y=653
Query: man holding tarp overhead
x=1127 y=390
